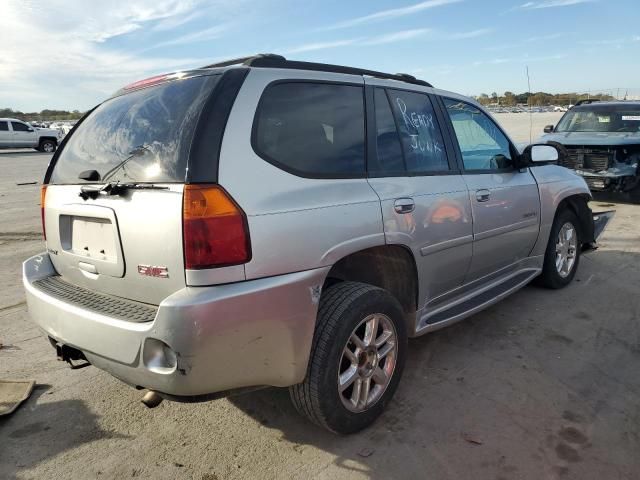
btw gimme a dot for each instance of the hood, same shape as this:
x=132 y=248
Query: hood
x=49 y=131
x=593 y=138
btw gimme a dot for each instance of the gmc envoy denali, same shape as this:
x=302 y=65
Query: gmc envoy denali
x=266 y=222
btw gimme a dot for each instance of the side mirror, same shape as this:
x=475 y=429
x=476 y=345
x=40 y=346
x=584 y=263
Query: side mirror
x=541 y=153
x=548 y=129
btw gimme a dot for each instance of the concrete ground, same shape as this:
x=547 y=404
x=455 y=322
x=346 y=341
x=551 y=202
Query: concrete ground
x=543 y=385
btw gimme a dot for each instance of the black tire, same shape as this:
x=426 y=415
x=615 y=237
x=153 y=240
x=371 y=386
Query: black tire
x=550 y=277
x=343 y=307
x=47 y=145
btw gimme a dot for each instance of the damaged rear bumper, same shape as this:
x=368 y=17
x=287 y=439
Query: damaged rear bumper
x=202 y=340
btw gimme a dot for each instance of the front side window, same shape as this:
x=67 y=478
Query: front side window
x=20 y=127
x=482 y=144
x=312 y=129
x=4 y=127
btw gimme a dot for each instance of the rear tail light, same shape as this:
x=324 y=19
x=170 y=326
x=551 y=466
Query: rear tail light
x=43 y=196
x=215 y=230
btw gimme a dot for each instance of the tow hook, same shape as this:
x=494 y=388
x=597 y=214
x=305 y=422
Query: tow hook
x=151 y=399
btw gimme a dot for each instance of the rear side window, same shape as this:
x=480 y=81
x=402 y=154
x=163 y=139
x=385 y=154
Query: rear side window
x=389 y=158
x=142 y=136
x=312 y=129
x=19 y=127
x=4 y=127
x=420 y=133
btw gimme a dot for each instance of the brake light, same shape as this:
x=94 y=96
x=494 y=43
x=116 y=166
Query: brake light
x=43 y=196
x=215 y=231
x=147 y=82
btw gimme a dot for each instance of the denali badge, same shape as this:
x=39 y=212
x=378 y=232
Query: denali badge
x=153 y=271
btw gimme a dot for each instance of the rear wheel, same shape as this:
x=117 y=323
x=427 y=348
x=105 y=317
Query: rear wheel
x=47 y=146
x=356 y=360
x=563 y=251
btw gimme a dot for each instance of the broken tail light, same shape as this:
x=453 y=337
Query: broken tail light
x=215 y=231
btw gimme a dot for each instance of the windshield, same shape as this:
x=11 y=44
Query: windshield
x=143 y=136
x=602 y=118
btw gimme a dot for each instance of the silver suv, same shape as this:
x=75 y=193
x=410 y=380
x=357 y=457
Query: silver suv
x=266 y=222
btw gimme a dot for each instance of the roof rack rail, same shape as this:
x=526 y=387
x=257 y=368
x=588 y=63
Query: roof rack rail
x=586 y=101
x=266 y=60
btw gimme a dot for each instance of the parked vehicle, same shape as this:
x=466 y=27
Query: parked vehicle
x=266 y=222
x=15 y=133
x=602 y=140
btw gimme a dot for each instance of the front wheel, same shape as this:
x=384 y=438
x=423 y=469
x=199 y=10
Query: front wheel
x=47 y=146
x=562 y=256
x=357 y=358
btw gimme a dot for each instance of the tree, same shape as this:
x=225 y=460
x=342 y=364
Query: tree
x=509 y=99
x=483 y=99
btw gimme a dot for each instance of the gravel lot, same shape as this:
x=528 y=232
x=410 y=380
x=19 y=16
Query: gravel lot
x=543 y=385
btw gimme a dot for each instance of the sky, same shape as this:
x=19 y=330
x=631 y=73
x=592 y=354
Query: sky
x=72 y=54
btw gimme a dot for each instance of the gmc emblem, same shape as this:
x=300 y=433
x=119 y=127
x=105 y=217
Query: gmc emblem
x=153 y=271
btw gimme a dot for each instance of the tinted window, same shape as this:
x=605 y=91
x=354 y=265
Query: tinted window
x=387 y=140
x=312 y=129
x=482 y=144
x=19 y=127
x=143 y=136
x=419 y=131
x=4 y=126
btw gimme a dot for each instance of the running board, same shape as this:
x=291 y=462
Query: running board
x=481 y=299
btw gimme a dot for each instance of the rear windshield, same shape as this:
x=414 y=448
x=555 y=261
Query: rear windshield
x=143 y=136
x=601 y=118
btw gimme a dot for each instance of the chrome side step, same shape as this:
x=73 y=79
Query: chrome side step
x=479 y=300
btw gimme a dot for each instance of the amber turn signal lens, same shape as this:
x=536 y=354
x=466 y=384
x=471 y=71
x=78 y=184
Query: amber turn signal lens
x=43 y=196
x=215 y=231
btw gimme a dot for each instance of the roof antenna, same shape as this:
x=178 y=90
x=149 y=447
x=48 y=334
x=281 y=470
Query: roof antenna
x=529 y=103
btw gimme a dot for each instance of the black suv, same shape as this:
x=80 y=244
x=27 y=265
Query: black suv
x=602 y=140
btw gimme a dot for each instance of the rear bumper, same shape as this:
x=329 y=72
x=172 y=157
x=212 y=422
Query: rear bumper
x=224 y=337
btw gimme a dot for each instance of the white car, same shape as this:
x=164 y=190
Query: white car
x=15 y=133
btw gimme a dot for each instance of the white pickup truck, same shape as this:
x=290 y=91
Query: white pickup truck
x=18 y=134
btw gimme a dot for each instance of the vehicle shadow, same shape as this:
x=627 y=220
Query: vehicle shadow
x=39 y=430
x=497 y=395
x=630 y=198
x=23 y=153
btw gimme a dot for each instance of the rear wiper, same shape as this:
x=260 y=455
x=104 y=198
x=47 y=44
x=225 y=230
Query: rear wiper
x=136 y=152
x=115 y=188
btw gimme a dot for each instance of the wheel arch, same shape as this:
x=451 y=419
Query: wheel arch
x=579 y=205
x=53 y=139
x=391 y=267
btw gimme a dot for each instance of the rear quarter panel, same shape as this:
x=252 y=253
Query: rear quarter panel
x=295 y=223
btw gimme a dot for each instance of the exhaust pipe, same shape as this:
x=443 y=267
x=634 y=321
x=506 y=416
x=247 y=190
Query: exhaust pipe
x=151 y=399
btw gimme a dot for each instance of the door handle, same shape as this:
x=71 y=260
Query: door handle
x=404 y=205
x=483 y=195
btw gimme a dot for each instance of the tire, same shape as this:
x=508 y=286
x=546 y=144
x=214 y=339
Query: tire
x=47 y=146
x=348 y=309
x=554 y=276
